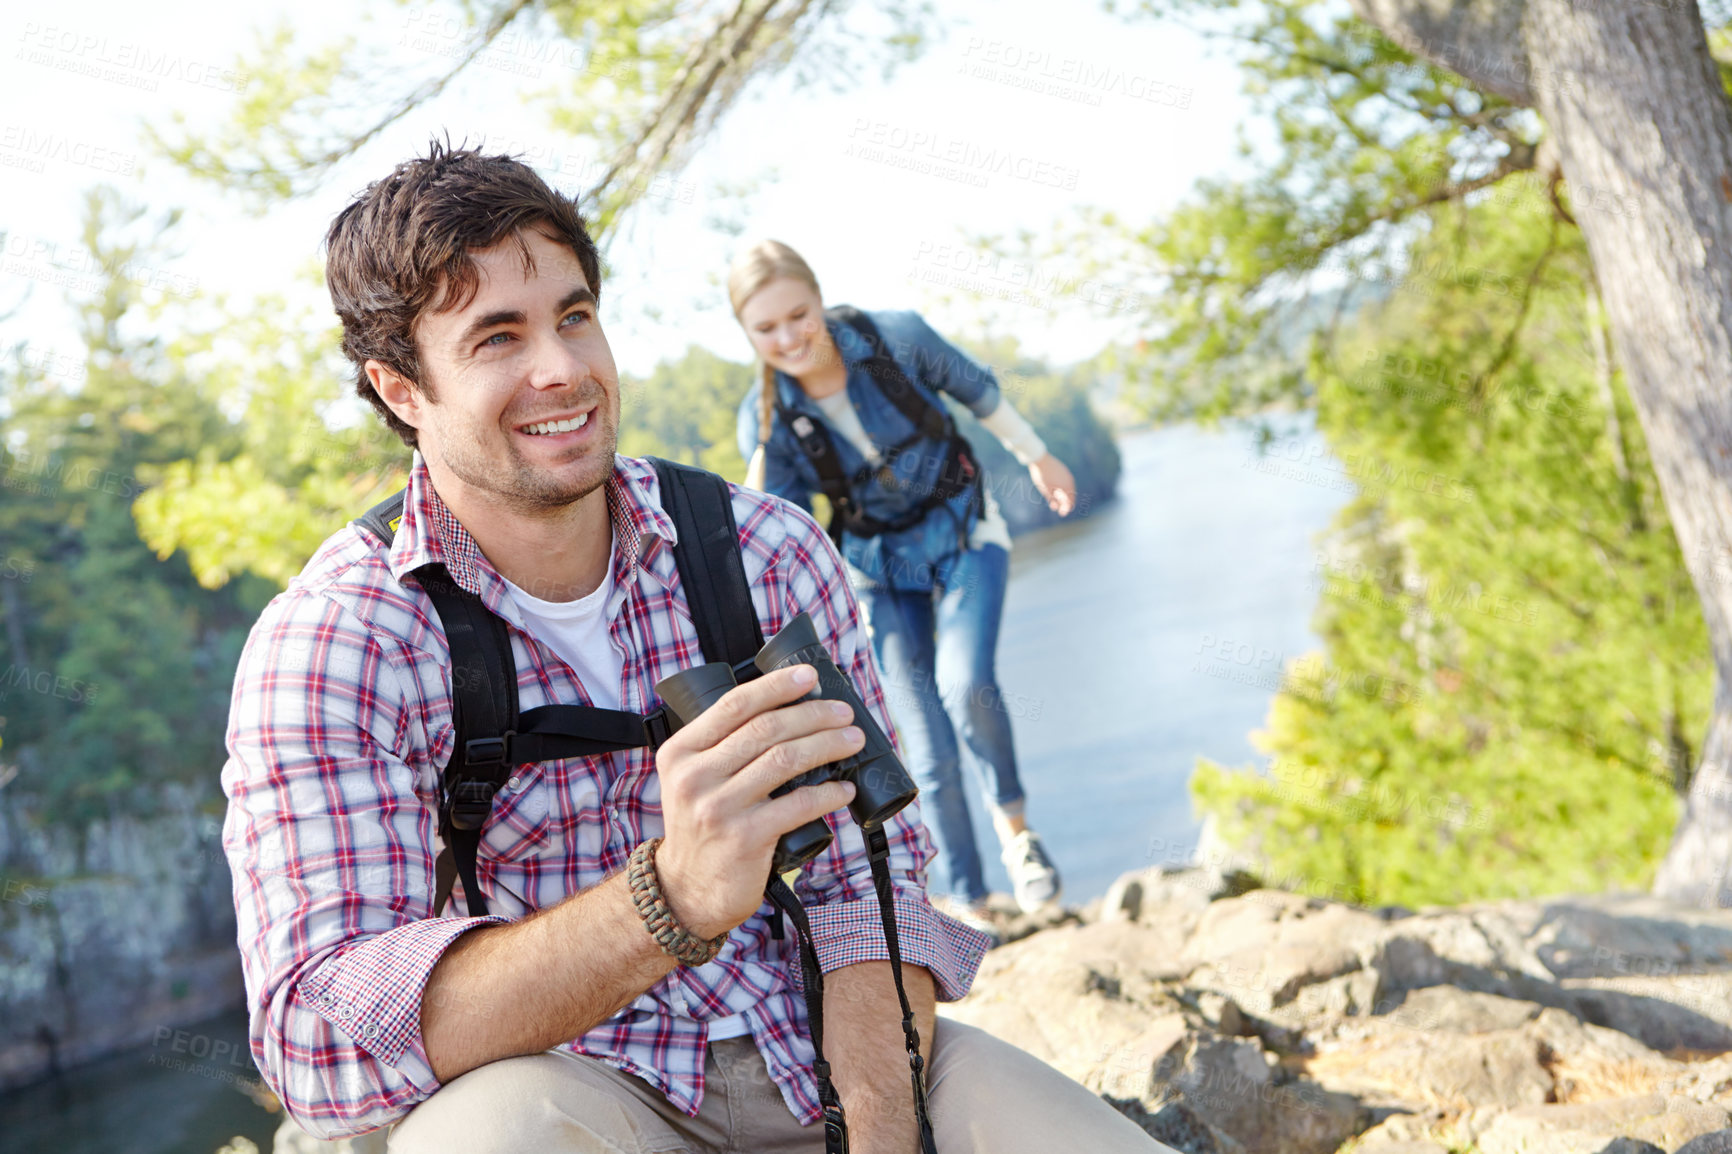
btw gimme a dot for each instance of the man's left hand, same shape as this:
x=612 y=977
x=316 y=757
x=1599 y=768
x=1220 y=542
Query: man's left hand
x=1055 y=483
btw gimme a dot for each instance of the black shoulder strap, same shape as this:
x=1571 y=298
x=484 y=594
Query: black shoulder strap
x=382 y=519
x=707 y=554
x=815 y=441
x=483 y=712
x=932 y=420
x=483 y=715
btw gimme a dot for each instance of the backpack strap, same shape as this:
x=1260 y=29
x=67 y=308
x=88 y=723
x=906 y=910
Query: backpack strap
x=820 y=449
x=484 y=716
x=930 y=419
x=707 y=554
x=382 y=519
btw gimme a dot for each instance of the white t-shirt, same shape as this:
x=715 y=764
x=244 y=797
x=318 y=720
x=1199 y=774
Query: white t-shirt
x=577 y=631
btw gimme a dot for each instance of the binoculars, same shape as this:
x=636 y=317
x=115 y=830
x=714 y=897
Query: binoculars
x=881 y=783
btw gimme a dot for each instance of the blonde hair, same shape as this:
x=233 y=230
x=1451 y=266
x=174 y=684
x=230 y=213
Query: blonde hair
x=764 y=262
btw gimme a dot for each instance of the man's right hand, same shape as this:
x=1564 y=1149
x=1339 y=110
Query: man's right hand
x=720 y=822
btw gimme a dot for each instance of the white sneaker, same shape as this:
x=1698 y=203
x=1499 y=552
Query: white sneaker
x=1033 y=877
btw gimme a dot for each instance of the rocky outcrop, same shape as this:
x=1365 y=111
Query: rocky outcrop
x=111 y=931
x=1226 y=1020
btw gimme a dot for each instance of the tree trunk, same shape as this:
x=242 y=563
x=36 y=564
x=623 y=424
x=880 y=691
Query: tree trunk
x=1643 y=131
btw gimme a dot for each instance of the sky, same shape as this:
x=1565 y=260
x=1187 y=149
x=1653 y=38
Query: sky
x=1018 y=114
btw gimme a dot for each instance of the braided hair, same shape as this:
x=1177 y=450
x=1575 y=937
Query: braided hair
x=760 y=264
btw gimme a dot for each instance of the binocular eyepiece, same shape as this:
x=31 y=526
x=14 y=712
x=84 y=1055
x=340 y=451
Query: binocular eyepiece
x=881 y=783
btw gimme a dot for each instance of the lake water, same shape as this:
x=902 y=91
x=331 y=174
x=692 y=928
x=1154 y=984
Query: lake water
x=1114 y=628
x=1133 y=642
x=184 y=1094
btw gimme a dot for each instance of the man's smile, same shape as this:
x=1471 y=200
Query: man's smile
x=564 y=429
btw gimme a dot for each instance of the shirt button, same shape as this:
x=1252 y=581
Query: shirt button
x=513 y=782
x=371 y=1031
x=346 y=1013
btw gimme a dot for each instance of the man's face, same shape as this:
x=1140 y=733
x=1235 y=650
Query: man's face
x=527 y=408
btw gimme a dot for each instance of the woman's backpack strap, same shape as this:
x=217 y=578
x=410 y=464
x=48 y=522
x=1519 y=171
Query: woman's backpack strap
x=931 y=419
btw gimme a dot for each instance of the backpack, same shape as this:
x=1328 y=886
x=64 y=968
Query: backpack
x=492 y=736
x=961 y=470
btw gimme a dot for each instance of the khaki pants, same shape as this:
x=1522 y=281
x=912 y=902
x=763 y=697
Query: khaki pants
x=986 y=1096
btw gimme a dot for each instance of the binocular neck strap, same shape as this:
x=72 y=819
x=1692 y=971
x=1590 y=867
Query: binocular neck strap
x=812 y=981
x=878 y=852
x=812 y=984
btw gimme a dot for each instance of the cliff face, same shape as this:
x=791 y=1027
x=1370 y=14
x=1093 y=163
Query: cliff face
x=1228 y=1022
x=111 y=931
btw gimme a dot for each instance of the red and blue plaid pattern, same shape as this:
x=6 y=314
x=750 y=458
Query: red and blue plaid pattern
x=339 y=725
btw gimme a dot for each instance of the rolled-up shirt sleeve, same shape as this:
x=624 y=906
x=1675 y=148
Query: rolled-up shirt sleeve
x=330 y=839
x=836 y=889
x=1014 y=433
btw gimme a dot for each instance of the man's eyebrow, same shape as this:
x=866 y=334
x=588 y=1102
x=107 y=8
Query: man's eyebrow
x=481 y=324
x=492 y=320
x=577 y=296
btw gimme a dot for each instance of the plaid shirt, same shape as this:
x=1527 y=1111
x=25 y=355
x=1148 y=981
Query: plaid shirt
x=339 y=726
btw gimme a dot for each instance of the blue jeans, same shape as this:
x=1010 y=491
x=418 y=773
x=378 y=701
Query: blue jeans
x=936 y=651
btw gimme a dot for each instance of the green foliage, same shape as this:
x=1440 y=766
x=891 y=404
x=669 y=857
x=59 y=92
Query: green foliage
x=1516 y=668
x=114 y=668
x=685 y=411
x=1354 y=141
x=285 y=475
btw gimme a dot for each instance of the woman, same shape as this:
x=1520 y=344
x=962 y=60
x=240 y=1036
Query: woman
x=848 y=406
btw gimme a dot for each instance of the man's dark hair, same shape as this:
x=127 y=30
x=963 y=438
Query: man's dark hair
x=403 y=248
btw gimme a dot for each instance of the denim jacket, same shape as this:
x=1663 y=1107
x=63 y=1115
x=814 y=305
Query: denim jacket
x=916 y=558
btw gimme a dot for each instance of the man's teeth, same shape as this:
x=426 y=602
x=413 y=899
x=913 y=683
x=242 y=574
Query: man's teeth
x=570 y=426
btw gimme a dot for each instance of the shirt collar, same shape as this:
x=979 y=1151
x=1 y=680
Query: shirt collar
x=429 y=532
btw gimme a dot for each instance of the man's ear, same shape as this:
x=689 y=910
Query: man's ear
x=397 y=391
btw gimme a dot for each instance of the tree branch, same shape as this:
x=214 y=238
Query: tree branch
x=1479 y=40
x=427 y=91
x=1506 y=351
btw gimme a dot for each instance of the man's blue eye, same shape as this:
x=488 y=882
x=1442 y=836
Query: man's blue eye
x=497 y=337
x=576 y=317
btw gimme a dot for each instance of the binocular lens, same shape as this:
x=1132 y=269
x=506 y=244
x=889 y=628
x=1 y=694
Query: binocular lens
x=689 y=693
x=881 y=784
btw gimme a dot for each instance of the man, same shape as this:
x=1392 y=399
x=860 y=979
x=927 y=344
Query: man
x=468 y=293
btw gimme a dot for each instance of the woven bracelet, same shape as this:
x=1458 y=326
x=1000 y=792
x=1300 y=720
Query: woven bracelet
x=646 y=893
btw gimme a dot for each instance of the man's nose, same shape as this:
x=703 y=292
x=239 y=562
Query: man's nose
x=557 y=362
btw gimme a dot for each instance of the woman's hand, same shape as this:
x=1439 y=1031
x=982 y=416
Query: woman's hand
x=1055 y=483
